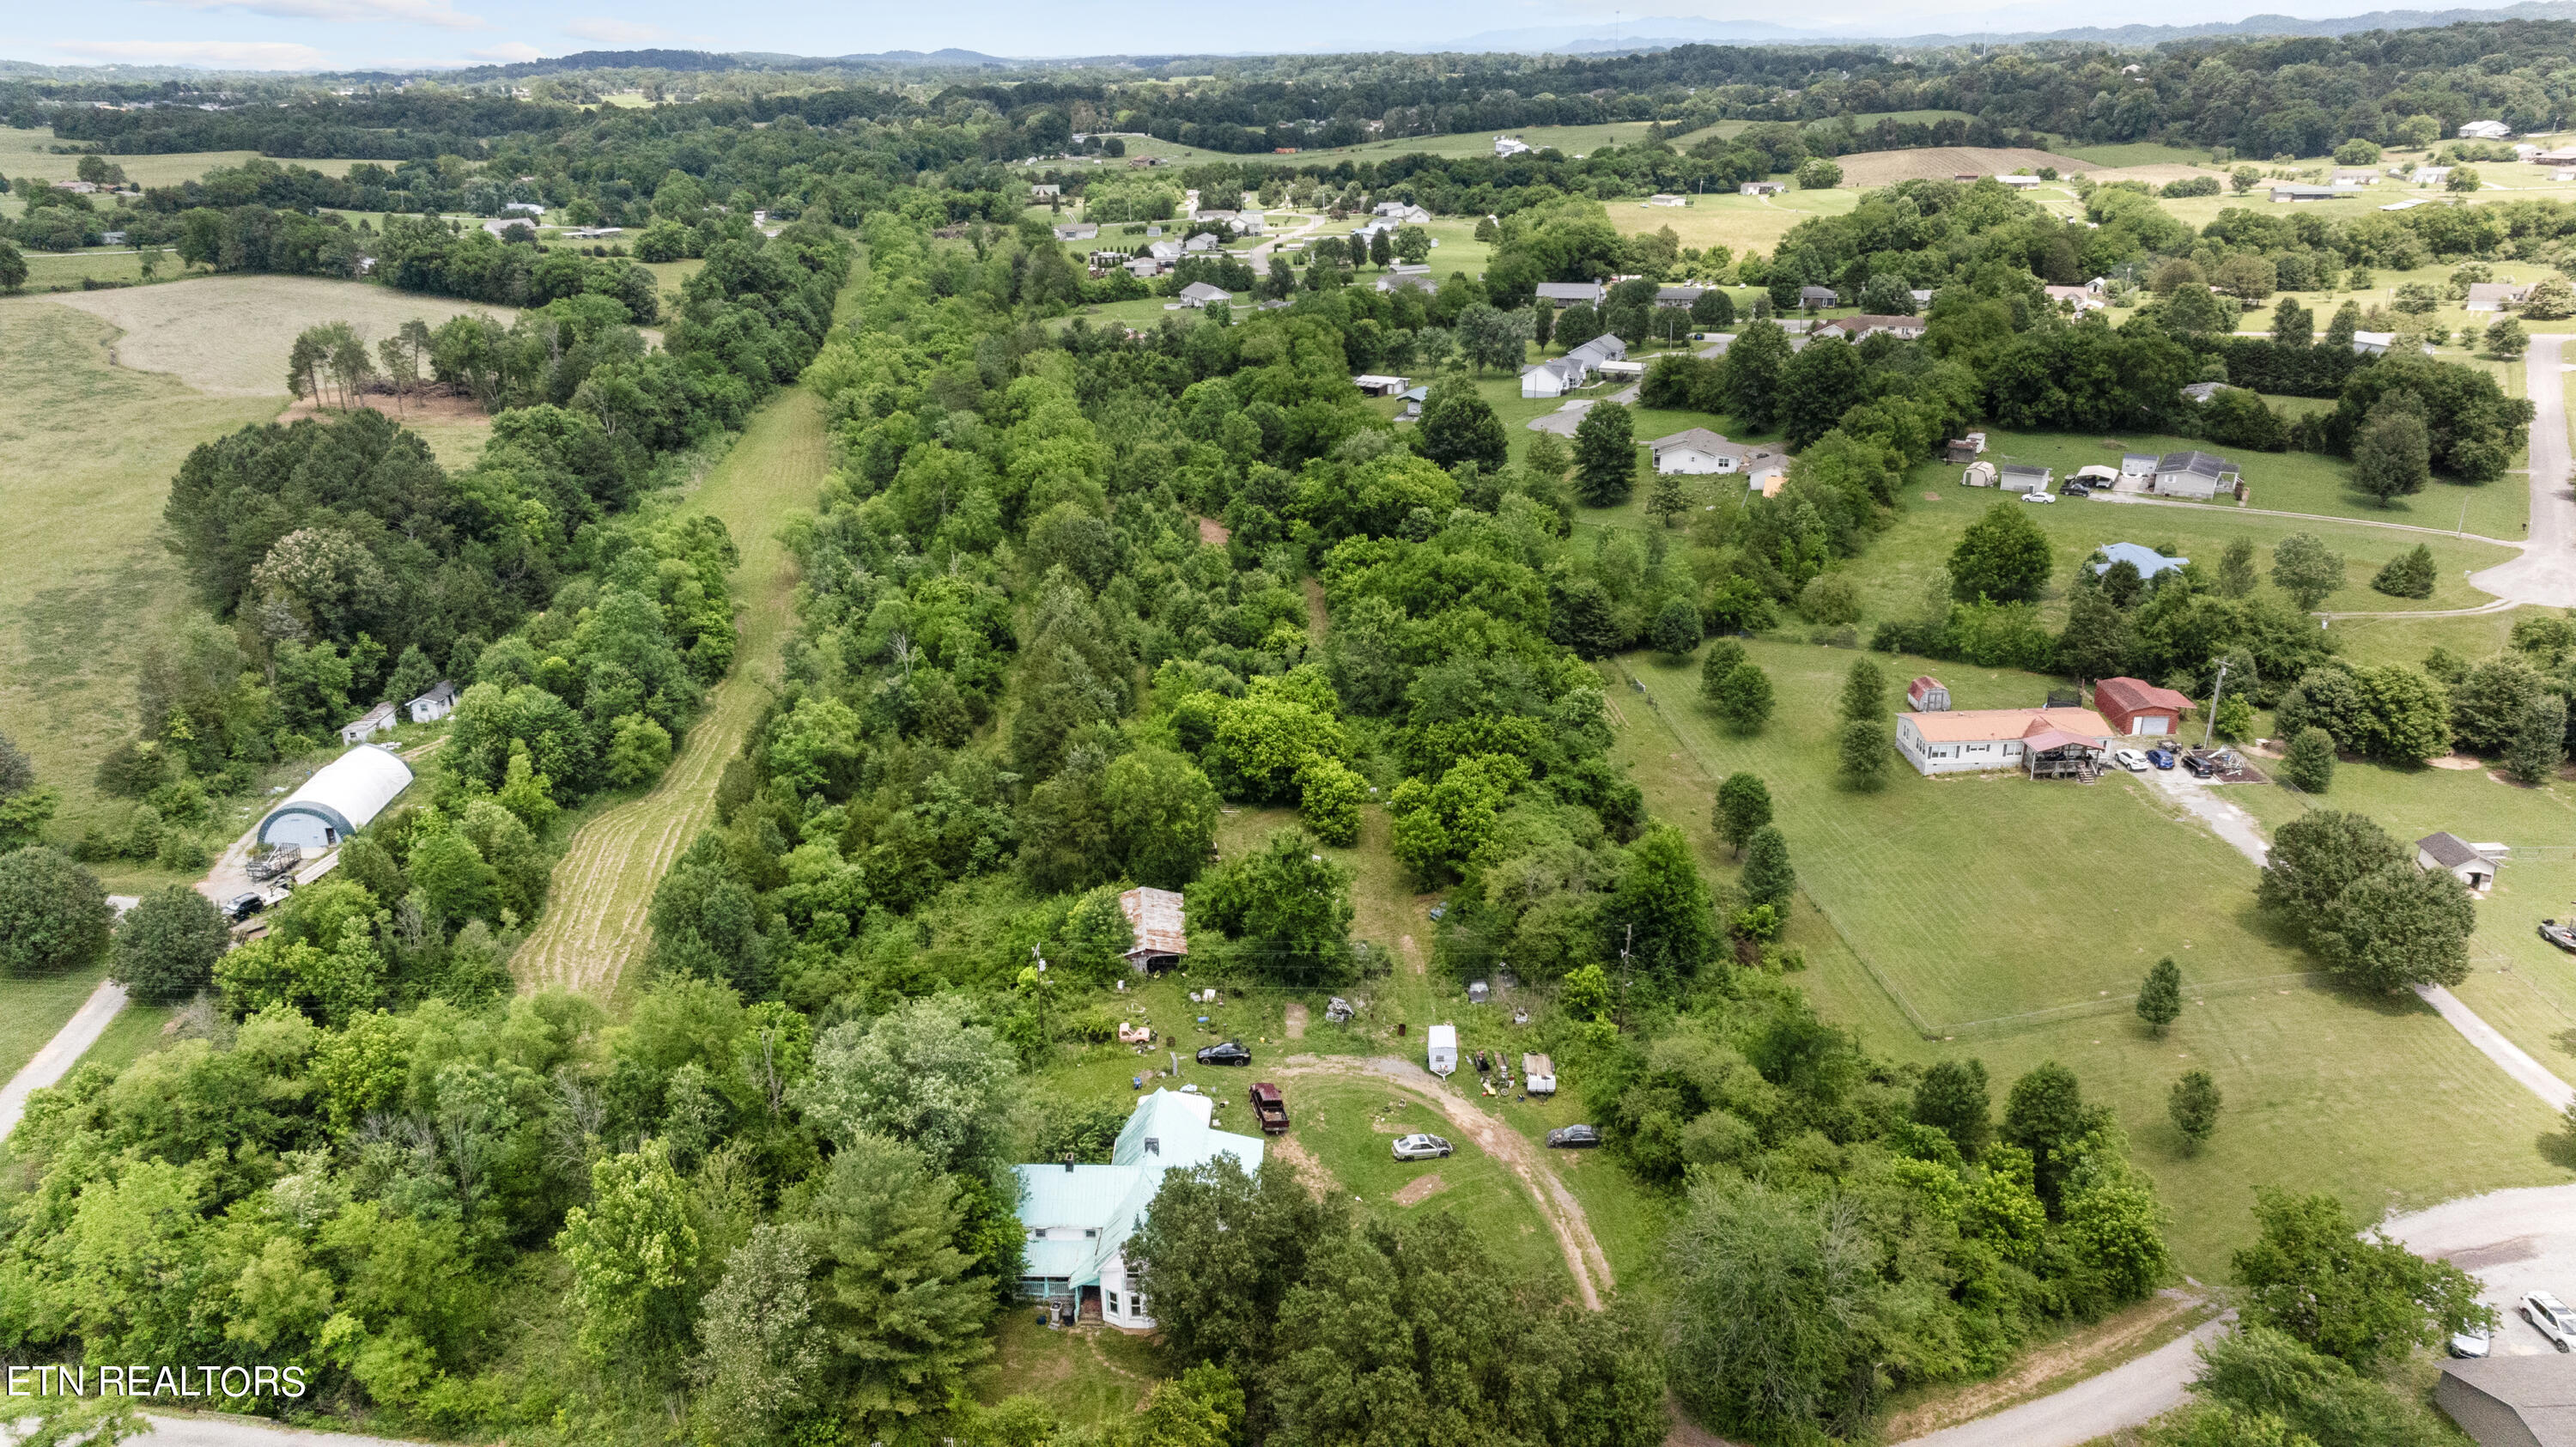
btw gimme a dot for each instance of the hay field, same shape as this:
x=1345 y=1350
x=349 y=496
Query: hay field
x=228 y=336
x=28 y=153
x=1740 y=223
x=93 y=447
x=1864 y=169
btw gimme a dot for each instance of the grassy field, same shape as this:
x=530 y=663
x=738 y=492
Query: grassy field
x=72 y=630
x=2136 y=153
x=65 y=270
x=28 y=153
x=1865 y=169
x=228 y=336
x=594 y=925
x=1086 y=1378
x=36 y=1009
x=1987 y=895
x=1740 y=223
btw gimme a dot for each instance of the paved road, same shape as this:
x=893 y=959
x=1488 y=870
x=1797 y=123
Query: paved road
x=60 y=1053
x=2125 y=1396
x=2140 y=499
x=233 y=1432
x=2511 y=1241
x=2546 y=572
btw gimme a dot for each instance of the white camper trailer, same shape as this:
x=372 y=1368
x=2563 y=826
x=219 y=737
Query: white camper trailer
x=1444 y=1049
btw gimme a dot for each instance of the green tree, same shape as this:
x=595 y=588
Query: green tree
x=1952 y=1098
x=1816 y=173
x=1219 y=1251
x=2347 y=320
x=2506 y=338
x=1744 y=699
x=2317 y=856
x=2098 y=638
x=13 y=267
x=1743 y=806
x=1162 y=816
x=1459 y=426
x=1864 y=694
x=1605 y=455
x=2397 y=927
x=2292 y=324
x=2365 y=1301
x=638 y=751
x=2160 y=995
x=1660 y=910
x=2306 y=569
x=2045 y=1115
x=2236 y=568
x=2002 y=557
x=1768 y=877
x=2462 y=178
x=1861 y=748
x=2539 y=747
x=1329 y=796
x=1715 y=664
x=2308 y=764
x=1286 y=907
x=1490 y=340
x=54 y=914
x=2194 y=1107
x=1676 y=631
x=758 y=1356
x=1771 y=1295
x=632 y=1251
x=166 y=946
x=898 y=1307
x=1755 y=365
x=2393 y=455
x=922 y=1074
x=2408 y=575
x=1665 y=499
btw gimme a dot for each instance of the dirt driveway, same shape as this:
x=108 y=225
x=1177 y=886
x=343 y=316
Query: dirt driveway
x=1564 y=1214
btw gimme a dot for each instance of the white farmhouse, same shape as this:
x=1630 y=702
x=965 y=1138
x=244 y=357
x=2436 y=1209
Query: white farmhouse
x=1079 y=1217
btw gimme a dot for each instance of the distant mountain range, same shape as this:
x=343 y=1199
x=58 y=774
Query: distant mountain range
x=1666 y=32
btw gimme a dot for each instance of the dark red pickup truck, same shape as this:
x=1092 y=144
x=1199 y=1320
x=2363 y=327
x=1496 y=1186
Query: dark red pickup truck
x=1272 y=1110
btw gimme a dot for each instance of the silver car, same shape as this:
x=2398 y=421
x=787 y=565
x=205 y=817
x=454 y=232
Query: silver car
x=1420 y=1148
x=2551 y=1318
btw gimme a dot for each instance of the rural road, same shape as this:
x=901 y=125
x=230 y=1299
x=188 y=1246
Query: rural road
x=60 y=1053
x=2511 y=1241
x=1584 y=1260
x=2546 y=572
x=232 y=1432
x=2125 y=1396
x=2132 y=499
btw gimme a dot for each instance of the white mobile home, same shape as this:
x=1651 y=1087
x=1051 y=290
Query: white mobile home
x=1442 y=1052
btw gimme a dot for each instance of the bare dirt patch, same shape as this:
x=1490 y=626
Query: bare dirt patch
x=228 y=336
x=2461 y=762
x=1213 y=533
x=1310 y=1172
x=1886 y=168
x=1296 y=1019
x=1420 y=1189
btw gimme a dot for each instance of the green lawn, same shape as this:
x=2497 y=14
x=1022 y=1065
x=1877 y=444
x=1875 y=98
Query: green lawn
x=1983 y=895
x=1743 y=224
x=31 y=1010
x=29 y=153
x=1349 y=1127
x=64 y=270
x=1089 y=1377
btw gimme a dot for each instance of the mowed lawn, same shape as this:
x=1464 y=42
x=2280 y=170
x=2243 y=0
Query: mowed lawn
x=94 y=447
x=28 y=153
x=2003 y=890
x=31 y=1010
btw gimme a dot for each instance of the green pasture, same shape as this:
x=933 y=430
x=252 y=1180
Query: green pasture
x=1742 y=224
x=29 y=153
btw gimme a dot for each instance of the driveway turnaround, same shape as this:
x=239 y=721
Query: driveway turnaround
x=2125 y=1396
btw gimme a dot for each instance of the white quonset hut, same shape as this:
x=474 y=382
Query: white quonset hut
x=337 y=801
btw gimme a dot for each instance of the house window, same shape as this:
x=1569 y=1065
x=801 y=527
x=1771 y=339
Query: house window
x=1113 y=1303
x=1136 y=1304
x=1090 y=1233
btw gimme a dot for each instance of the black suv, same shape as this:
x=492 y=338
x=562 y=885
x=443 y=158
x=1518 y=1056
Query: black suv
x=1229 y=1053
x=1573 y=1138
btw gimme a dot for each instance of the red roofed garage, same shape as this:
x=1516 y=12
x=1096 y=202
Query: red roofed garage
x=2135 y=706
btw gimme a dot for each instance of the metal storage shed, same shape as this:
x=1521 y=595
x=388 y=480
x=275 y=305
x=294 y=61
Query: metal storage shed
x=337 y=801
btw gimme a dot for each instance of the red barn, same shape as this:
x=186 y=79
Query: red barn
x=2135 y=706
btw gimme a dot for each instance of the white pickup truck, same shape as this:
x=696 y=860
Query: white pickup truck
x=1538 y=1075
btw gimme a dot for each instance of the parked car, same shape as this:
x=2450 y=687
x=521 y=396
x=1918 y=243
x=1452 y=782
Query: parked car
x=2551 y=1318
x=2473 y=1343
x=2559 y=935
x=243 y=906
x=2074 y=488
x=1573 y=1138
x=2161 y=758
x=1230 y=1052
x=1267 y=1104
x=1420 y=1148
x=2201 y=765
x=2039 y=495
x=2131 y=760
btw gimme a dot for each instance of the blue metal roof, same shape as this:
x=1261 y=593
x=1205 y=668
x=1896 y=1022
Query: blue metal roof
x=2147 y=561
x=1080 y=1219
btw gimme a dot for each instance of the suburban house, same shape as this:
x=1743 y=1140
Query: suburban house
x=2147 y=561
x=2023 y=477
x=2137 y=464
x=1145 y=268
x=1927 y=694
x=1167 y=252
x=338 y=801
x=2504 y=1401
x=1045 y=193
x=1241 y=223
x=2472 y=865
x=1761 y=188
x=2020 y=183
x=1079 y=1217
x=1199 y=241
x=2495 y=296
x=1667 y=198
x=2135 y=706
x=2432 y=175
x=1375 y=385
x=1678 y=296
x=1698 y=450
x=1856 y=328
x=2082 y=298
x=1813 y=297
x=2193 y=474
x=1402 y=213
x=1566 y=293
x=434 y=705
x=1077 y=231
x=2356 y=178
x=1560 y=375
x=1200 y=294
x=369 y=724
x=2485 y=131
x=2557 y=156
x=1506 y=146
x=1959 y=741
x=1155 y=918
x=2304 y=192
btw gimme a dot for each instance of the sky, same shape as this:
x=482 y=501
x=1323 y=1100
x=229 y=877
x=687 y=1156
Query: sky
x=408 y=34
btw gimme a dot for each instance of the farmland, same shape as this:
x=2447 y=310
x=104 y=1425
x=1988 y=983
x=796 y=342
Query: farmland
x=1866 y=169
x=29 y=153
x=228 y=336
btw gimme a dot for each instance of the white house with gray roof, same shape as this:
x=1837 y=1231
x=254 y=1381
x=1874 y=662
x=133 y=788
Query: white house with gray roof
x=1078 y=1218
x=2194 y=474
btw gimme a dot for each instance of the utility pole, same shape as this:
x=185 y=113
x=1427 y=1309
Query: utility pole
x=1045 y=1033
x=2210 y=725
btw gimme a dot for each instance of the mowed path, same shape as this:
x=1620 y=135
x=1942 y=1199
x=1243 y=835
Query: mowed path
x=594 y=926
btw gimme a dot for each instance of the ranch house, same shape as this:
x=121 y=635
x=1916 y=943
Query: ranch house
x=1963 y=741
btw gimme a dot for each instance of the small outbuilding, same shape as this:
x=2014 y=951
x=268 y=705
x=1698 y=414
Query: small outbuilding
x=2022 y=477
x=1201 y=294
x=1814 y=297
x=1160 y=928
x=2506 y=1401
x=2464 y=860
x=434 y=705
x=1927 y=694
x=1376 y=385
x=1979 y=474
x=1566 y=293
x=2135 y=706
x=1761 y=188
x=369 y=724
x=2146 y=560
x=338 y=801
x=2493 y=296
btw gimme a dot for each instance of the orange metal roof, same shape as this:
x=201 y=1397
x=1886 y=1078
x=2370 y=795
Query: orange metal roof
x=1987 y=725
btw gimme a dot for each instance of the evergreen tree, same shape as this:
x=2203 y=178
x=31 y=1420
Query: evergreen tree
x=1605 y=456
x=2347 y=320
x=1743 y=806
x=2540 y=745
x=2393 y=456
x=1861 y=749
x=2308 y=764
x=2408 y=575
x=2292 y=324
x=2160 y=995
x=1768 y=877
x=1755 y=364
x=1952 y=1097
x=1677 y=630
x=1864 y=693
x=2194 y=1107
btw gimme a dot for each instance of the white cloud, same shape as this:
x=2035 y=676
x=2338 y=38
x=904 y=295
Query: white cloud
x=614 y=32
x=399 y=12
x=510 y=53
x=211 y=54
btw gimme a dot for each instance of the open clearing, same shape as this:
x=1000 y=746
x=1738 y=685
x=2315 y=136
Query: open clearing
x=1996 y=890
x=26 y=152
x=594 y=923
x=229 y=336
x=94 y=447
x=1864 y=169
x=1742 y=224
